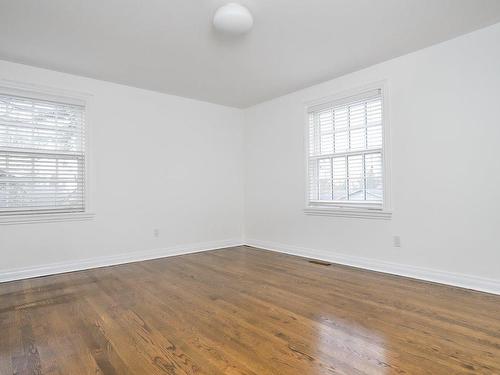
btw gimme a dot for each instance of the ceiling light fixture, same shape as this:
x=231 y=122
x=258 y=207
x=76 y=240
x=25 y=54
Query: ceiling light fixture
x=233 y=18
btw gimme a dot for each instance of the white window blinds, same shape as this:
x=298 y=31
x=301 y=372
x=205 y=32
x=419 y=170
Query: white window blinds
x=345 y=159
x=42 y=157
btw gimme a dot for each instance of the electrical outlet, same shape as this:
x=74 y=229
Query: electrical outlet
x=396 y=241
x=156 y=232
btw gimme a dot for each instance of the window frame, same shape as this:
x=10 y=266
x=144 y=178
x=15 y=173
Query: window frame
x=63 y=96
x=353 y=209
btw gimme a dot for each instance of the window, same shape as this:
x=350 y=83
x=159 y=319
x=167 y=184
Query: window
x=42 y=156
x=346 y=160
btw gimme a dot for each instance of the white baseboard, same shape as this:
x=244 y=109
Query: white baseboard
x=442 y=277
x=78 y=265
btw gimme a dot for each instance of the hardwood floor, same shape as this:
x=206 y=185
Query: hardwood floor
x=244 y=311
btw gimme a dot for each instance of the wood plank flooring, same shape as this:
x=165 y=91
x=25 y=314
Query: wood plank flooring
x=244 y=311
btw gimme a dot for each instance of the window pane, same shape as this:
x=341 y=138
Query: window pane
x=27 y=123
x=325 y=179
x=326 y=131
x=374 y=112
x=358 y=141
x=313 y=180
x=339 y=179
x=357 y=116
x=374 y=187
x=341 y=141
x=29 y=182
x=356 y=177
x=341 y=118
x=374 y=137
x=312 y=136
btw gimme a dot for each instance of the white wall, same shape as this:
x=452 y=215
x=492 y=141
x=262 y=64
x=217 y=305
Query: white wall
x=445 y=122
x=185 y=166
x=160 y=161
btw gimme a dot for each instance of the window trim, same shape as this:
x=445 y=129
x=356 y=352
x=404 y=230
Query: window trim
x=64 y=96
x=349 y=209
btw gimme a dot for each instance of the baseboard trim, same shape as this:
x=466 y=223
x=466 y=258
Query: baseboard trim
x=442 y=277
x=112 y=260
x=454 y=279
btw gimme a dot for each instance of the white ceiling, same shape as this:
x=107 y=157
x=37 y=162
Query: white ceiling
x=169 y=45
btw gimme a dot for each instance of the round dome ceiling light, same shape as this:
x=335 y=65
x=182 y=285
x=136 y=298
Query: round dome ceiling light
x=233 y=18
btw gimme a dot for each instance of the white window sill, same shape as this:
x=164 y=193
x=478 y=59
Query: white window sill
x=8 y=219
x=361 y=213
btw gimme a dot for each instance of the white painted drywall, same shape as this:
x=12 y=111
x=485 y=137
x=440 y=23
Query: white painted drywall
x=160 y=161
x=445 y=122
x=183 y=166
